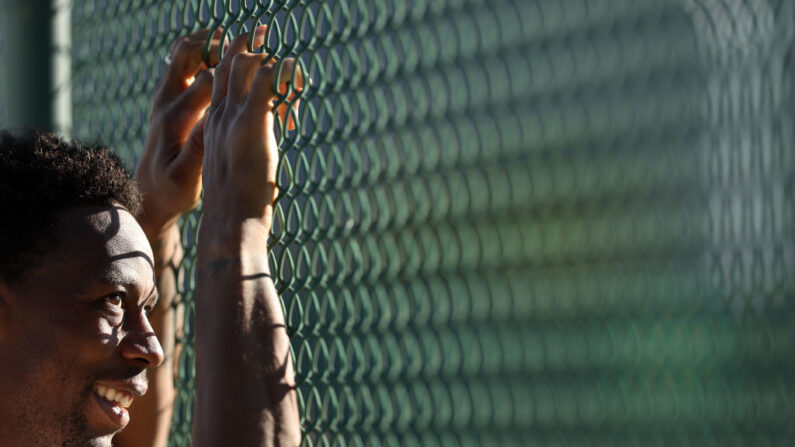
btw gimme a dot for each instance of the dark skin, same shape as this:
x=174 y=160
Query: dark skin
x=178 y=161
x=67 y=328
x=84 y=305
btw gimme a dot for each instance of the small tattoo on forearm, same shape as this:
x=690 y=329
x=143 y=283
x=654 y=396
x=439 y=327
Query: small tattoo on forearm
x=217 y=265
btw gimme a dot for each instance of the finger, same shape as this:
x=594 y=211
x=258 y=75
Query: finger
x=262 y=93
x=291 y=112
x=193 y=101
x=188 y=164
x=222 y=70
x=213 y=51
x=244 y=68
x=187 y=58
x=288 y=110
x=294 y=100
x=285 y=113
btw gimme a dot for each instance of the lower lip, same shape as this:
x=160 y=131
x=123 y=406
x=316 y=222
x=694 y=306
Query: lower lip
x=116 y=413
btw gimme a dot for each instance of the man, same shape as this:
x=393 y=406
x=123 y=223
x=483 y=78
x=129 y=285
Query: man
x=79 y=275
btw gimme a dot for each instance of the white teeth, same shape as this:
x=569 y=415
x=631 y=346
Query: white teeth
x=112 y=395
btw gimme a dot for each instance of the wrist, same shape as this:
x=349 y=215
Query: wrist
x=235 y=231
x=238 y=249
x=229 y=207
x=157 y=228
x=228 y=216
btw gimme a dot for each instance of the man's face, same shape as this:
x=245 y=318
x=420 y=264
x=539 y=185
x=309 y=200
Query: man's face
x=76 y=328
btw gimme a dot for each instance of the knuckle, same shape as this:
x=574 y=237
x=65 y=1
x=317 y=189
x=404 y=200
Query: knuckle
x=181 y=42
x=240 y=38
x=181 y=46
x=223 y=62
x=203 y=77
x=245 y=60
x=265 y=73
x=266 y=70
x=238 y=61
x=198 y=34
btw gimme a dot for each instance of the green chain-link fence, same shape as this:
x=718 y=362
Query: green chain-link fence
x=527 y=222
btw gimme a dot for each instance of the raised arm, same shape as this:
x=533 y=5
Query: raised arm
x=244 y=380
x=169 y=177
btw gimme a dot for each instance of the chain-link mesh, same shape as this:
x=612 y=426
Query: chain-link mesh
x=527 y=222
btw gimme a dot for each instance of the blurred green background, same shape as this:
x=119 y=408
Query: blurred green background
x=501 y=222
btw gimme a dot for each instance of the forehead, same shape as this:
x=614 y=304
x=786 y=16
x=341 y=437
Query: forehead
x=111 y=229
x=98 y=243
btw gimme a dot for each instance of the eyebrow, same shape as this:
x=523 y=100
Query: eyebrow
x=111 y=278
x=129 y=283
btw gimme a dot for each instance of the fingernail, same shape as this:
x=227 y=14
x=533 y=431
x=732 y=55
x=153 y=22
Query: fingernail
x=260 y=31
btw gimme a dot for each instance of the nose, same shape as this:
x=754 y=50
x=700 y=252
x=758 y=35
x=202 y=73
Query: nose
x=140 y=344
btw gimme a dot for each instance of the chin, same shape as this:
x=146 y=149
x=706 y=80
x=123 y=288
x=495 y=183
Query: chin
x=104 y=441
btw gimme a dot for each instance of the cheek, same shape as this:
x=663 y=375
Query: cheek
x=79 y=340
x=62 y=362
x=91 y=339
x=62 y=346
x=106 y=333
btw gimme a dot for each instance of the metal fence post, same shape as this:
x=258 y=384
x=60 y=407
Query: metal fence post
x=36 y=64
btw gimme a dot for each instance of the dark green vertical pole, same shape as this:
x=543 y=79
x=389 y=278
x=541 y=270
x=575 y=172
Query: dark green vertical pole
x=36 y=64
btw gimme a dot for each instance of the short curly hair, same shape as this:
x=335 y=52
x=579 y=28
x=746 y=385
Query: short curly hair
x=43 y=175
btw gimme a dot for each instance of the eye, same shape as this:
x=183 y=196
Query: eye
x=115 y=299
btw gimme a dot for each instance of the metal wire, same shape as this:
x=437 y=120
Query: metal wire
x=510 y=222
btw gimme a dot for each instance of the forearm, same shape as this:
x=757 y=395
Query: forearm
x=151 y=414
x=244 y=383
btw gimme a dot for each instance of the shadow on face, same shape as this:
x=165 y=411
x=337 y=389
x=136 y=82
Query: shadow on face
x=75 y=322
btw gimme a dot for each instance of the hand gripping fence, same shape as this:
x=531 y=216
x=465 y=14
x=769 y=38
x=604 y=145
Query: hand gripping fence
x=509 y=223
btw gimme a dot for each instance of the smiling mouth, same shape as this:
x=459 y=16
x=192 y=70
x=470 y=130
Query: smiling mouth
x=113 y=403
x=115 y=397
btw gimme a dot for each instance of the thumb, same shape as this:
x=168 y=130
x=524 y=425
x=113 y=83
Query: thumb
x=187 y=166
